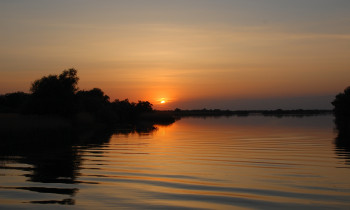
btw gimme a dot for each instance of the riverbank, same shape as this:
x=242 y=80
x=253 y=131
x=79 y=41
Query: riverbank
x=56 y=128
x=178 y=113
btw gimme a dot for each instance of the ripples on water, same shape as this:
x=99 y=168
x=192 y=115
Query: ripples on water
x=213 y=163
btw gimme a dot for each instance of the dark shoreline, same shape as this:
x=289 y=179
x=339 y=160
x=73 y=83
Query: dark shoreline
x=177 y=113
x=14 y=125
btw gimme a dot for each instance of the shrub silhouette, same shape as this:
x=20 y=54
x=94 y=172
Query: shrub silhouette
x=128 y=111
x=13 y=102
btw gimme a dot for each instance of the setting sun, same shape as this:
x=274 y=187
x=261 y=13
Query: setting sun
x=175 y=104
x=162 y=100
x=163 y=103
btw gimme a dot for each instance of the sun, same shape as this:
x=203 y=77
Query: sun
x=162 y=101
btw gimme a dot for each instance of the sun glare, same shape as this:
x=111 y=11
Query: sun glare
x=162 y=101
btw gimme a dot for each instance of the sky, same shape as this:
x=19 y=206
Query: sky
x=193 y=54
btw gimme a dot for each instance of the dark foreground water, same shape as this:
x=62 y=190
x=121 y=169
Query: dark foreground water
x=214 y=163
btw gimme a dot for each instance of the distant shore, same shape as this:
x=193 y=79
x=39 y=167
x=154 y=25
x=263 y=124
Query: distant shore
x=178 y=113
x=18 y=122
x=45 y=129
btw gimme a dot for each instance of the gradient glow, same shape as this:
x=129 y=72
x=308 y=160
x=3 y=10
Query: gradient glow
x=196 y=53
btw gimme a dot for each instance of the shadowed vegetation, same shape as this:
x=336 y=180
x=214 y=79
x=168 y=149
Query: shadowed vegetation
x=13 y=102
x=52 y=152
x=58 y=96
x=341 y=110
x=241 y=113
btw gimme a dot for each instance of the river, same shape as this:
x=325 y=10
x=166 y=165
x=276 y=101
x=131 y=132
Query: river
x=253 y=162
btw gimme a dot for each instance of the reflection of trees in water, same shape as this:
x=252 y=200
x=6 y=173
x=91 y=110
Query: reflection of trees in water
x=53 y=158
x=57 y=157
x=343 y=149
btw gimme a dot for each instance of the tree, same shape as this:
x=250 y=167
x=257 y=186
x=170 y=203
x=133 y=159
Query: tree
x=51 y=86
x=341 y=110
x=92 y=100
x=143 y=106
x=55 y=94
x=341 y=103
x=124 y=110
x=96 y=103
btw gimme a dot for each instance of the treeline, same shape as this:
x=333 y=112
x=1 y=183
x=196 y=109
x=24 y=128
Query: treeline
x=219 y=112
x=58 y=95
x=296 y=112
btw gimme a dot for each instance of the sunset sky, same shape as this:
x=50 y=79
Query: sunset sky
x=227 y=54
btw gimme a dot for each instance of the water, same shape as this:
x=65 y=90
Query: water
x=214 y=163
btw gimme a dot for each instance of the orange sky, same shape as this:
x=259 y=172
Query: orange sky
x=194 y=55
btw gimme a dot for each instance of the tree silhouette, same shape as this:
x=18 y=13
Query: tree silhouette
x=341 y=110
x=341 y=103
x=53 y=85
x=59 y=95
x=96 y=103
x=124 y=109
x=55 y=94
x=143 y=106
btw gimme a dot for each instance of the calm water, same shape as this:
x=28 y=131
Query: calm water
x=214 y=163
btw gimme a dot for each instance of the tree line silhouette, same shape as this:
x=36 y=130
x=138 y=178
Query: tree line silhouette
x=341 y=111
x=59 y=95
